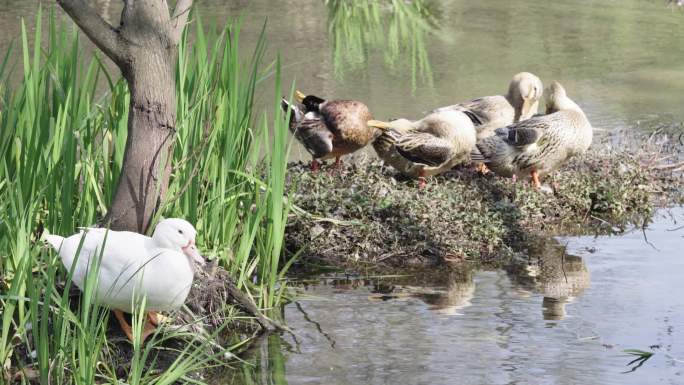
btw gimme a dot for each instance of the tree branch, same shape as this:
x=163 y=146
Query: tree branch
x=180 y=18
x=95 y=27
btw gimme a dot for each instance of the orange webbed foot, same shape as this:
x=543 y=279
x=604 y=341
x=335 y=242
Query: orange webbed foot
x=422 y=180
x=128 y=331
x=535 y=179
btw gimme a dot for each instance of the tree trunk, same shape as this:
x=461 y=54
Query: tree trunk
x=149 y=146
x=149 y=71
x=144 y=46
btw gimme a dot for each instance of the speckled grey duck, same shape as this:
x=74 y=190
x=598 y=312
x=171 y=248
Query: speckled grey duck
x=539 y=145
x=491 y=112
x=330 y=129
x=428 y=146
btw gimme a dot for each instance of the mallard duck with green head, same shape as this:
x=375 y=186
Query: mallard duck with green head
x=537 y=146
x=329 y=129
x=428 y=146
x=491 y=112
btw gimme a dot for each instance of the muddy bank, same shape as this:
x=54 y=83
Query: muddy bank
x=365 y=216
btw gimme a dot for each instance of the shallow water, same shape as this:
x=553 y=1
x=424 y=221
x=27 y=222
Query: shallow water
x=562 y=318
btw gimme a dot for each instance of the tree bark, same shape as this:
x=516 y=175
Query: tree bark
x=144 y=47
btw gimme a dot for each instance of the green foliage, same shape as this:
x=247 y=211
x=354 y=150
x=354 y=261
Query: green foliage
x=641 y=357
x=264 y=365
x=220 y=181
x=396 y=28
x=63 y=127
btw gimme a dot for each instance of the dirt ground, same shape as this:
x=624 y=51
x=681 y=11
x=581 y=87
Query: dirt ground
x=366 y=216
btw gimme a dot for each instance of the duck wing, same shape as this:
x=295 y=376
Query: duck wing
x=527 y=132
x=309 y=129
x=485 y=110
x=486 y=149
x=347 y=119
x=424 y=148
x=517 y=135
x=120 y=254
x=314 y=135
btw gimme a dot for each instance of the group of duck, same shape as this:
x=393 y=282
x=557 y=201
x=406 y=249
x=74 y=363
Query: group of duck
x=501 y=133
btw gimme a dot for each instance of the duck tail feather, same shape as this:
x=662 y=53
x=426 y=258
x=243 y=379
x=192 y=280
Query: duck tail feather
x=284 y=105
x=54 y=240
x=476 y=155
x=296 y=115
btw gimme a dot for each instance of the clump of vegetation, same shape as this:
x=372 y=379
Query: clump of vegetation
x=365 y=214
x=63 y=129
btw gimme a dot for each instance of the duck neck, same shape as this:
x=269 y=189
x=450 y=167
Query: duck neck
x=312 y=103
x=510 y=97
x=516 y=101
x=169 y=265
x=163 y=243
x=566 y=104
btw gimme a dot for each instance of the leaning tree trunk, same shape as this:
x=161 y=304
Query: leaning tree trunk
x=144 y=47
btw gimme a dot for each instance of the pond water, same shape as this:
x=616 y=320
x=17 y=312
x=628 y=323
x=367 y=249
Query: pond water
x=567 y=315
x=563 y=317
x=620 y=59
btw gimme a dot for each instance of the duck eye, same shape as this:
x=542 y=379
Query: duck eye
x=180 y=231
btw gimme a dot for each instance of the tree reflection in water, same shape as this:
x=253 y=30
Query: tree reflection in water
x=396 y=28
x=264 y=363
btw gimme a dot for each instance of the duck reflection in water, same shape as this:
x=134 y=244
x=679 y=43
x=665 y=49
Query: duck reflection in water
x=460 y=288
x=557 y=276
x=447 y=294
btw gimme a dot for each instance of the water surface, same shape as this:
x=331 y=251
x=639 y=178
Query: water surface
x=563 y=317
x=621 y=60
x=567 y=315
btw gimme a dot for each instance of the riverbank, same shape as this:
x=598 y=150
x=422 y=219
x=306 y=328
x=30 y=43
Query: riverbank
x=366 y=217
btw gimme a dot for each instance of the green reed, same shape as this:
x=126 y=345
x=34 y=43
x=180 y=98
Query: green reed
x=265 y=364
x=63 y=125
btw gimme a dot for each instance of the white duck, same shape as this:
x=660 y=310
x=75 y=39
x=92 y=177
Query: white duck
x=135 y=266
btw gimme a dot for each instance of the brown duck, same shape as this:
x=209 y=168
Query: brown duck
x=428 y=146
x=539 y=145
x=329 y=129
x=491 y=112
